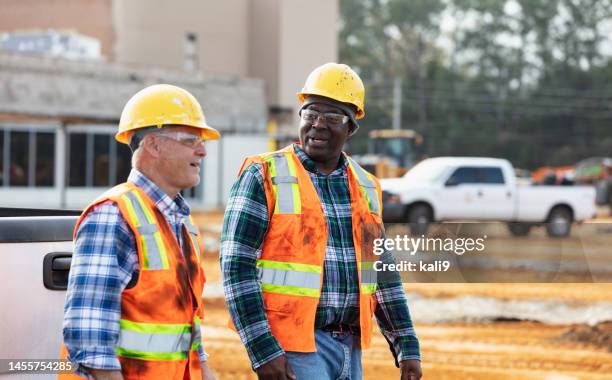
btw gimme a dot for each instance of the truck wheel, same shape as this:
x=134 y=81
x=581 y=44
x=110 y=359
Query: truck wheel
x=559 y=222
x=419 y=218
x=519 y=229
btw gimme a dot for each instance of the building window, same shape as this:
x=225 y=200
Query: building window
x=124 y=162
x=27 y=158
x=3 y=170
x=77 y=159
x=19 y=158
x=97 y=160
x=101 y=158
x=45 y=159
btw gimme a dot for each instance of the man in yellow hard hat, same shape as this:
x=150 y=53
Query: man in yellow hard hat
x=133 y=307
x=296 y=248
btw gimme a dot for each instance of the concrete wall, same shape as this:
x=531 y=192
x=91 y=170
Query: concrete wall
x=44 y=86
x=264 y=45
x=308 y=38
x=90 y=17
x=289 y=38
x=154 y=33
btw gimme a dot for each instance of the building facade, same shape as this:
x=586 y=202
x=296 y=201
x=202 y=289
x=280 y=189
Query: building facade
x=243 y=59
x=58 y=119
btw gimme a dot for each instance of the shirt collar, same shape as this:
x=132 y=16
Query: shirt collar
x=309 y=164
x=162 y=201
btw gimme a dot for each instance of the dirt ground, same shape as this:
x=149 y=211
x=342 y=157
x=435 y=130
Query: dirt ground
x=502 y=349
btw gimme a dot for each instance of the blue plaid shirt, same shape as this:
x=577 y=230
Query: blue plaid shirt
x=104 y=260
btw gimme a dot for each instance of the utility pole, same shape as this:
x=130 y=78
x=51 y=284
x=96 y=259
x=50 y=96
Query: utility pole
x=421 y=89
x=397 y=103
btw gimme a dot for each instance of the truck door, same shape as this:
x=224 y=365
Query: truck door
x=36 y=253
x=459 y=198
x=495 y=197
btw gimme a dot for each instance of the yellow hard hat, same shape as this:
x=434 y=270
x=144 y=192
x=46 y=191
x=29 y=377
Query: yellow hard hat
x=159 y=105
x=335 y=81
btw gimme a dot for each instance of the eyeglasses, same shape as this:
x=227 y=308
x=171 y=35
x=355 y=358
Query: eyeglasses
x=187 y=139
x=329 y=118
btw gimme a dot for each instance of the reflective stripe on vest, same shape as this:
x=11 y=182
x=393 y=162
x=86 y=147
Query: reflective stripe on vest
x=197 y=335
x=153 y=249
x=284 y=180
x=151 y=341
x=193 y=232
x=368 y=277
x=367 y=185
x=289 y=278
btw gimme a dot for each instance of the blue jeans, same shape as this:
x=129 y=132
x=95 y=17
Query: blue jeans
x=338 y=357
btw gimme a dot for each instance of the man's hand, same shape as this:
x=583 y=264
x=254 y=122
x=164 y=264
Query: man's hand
x=410 y=370
x=100 y=374
x=207 y=373
x=276 y=369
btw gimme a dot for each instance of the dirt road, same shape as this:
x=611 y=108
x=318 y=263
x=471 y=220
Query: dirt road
x=465 y=348
x=500 y=350
x=491 y=350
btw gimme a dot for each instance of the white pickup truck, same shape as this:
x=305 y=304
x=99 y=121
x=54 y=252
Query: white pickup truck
x=36 y=249
x=478 y=188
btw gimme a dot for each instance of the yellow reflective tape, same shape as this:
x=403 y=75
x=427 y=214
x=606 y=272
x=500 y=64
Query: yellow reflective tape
x=197 y=320
x=163 y=356
x=361 y=187
x=367 y=197
x=193 y=238
x=136 y=221
x=368 y=288
x=289 y=266
x=272 y=169
x=194 y=241
x=297 y=203
x=160 y=244
x=145 y=253
x=292 y=290
x=367 y=265
x=295 y=189
x=155 y=328
x=131 y=212
x=195 y=345
x=144 y=207
x=162 y=250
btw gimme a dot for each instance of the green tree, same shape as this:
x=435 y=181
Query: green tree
x=522 y=79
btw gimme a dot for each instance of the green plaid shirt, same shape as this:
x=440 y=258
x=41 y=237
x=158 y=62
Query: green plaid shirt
x=244 y=228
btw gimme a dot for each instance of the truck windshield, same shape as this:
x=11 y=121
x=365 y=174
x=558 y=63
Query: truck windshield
x=426 y=171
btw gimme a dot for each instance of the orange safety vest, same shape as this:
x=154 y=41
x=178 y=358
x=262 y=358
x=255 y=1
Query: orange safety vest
x=160 y=324
x=290 y=267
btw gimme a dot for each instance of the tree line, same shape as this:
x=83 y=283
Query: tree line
x=526 y=80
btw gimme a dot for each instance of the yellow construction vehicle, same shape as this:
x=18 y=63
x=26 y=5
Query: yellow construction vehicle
x=391 y=152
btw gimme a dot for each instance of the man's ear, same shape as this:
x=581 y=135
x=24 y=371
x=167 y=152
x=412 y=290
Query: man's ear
x=152 y=145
